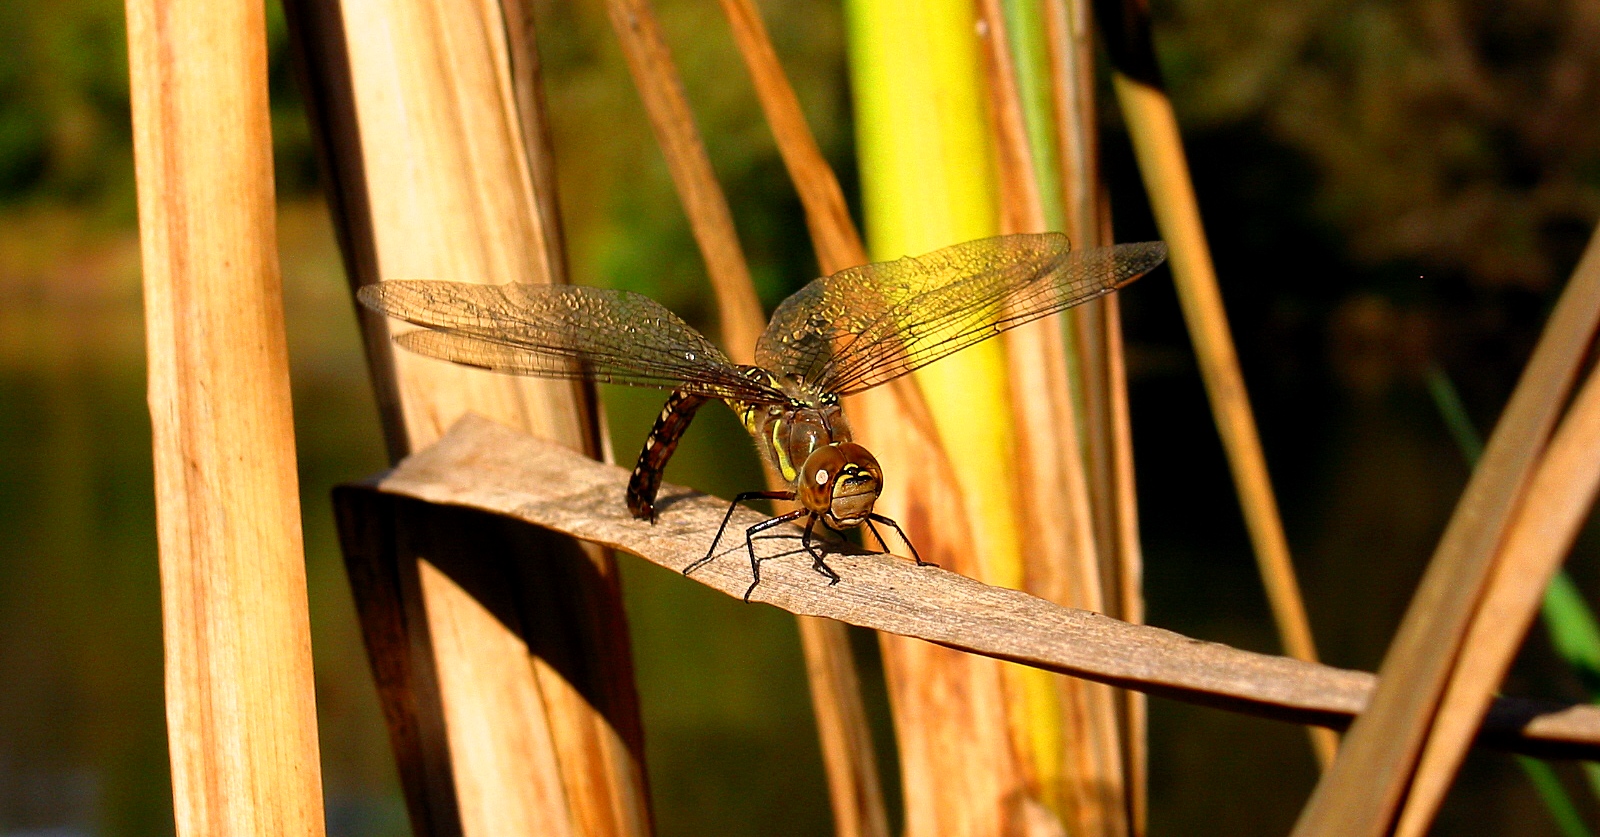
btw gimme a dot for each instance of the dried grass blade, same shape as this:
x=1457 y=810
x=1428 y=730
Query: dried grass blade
x=654 y=74
x=1569 y=622
x=492 y=468
x=855 y=789
x=1361 y=794
x=241 y=705
x=1129 y=563
x=1159 y=149
x=1554 y=507
x=527 y=102
x=833 y=233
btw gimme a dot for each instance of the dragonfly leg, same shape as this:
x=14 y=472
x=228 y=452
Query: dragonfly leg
x=907 y=541
x=658 y=447
x=750 y=544
x=883 y=545
x=747 y=495
x=816 y=554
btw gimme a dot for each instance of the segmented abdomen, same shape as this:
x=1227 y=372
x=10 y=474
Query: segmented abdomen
x=658 y=447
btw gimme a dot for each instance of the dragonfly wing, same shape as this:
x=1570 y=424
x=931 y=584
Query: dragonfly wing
x=562 y=331
x=870 y=324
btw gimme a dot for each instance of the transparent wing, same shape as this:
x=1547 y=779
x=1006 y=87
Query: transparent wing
x=867 y=325
x=563 y=331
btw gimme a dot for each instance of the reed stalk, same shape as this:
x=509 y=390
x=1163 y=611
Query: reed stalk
x=1568 y=620
x=241 y=710
x=439 y=169
x=923 y=105
x=1097 y=334
x=855 y=790
x=927 y=182
x=854 y=786
x=1078 y=751
x=1157 y=145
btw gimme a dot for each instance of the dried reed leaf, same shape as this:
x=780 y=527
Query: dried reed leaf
x=485 y=466
x=1362 y=793
x=1154 y=130
x=833 y=233
x=527 y=93
x=1129 y=563
x=1554 y=507
x=241 y=705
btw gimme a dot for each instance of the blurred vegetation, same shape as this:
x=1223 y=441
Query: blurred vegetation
x=1387 y=185
x=1457 y=136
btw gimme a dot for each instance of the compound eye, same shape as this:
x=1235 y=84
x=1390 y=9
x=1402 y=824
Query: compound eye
x=817 y=477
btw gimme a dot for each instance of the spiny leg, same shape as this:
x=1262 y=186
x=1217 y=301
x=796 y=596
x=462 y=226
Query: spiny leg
x=750 y=544
x=816 y=554
x=883 y=545
x=747 y=495
x=907 y=541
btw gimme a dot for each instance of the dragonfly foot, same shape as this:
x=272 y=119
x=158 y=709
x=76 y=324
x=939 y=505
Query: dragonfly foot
x=701 y=562
x=824 y=570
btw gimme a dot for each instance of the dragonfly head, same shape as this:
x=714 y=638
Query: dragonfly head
x=840 y=482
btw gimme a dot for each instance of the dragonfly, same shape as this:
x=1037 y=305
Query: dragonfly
x=838 y=336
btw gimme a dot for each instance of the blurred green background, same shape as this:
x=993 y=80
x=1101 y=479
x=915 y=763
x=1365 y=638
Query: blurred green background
x=1388 y=186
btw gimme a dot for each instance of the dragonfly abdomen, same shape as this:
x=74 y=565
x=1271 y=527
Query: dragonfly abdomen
x=658 y=447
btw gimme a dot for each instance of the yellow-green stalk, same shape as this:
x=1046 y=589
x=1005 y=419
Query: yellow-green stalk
x=928 y=180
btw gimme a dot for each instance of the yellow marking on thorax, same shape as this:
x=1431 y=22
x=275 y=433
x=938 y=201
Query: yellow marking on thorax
x=750 y=416
x=780 y=451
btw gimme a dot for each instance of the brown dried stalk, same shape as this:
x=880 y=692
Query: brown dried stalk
x=661 y=90
x=853 y=784
x=1154 y=130
x=444 y=175
x=241 y=709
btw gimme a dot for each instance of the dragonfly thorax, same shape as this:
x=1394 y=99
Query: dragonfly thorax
x=789 y=433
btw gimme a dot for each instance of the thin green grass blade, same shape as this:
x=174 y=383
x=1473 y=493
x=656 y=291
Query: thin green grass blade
x=1545 y=781
x=1573 y=630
